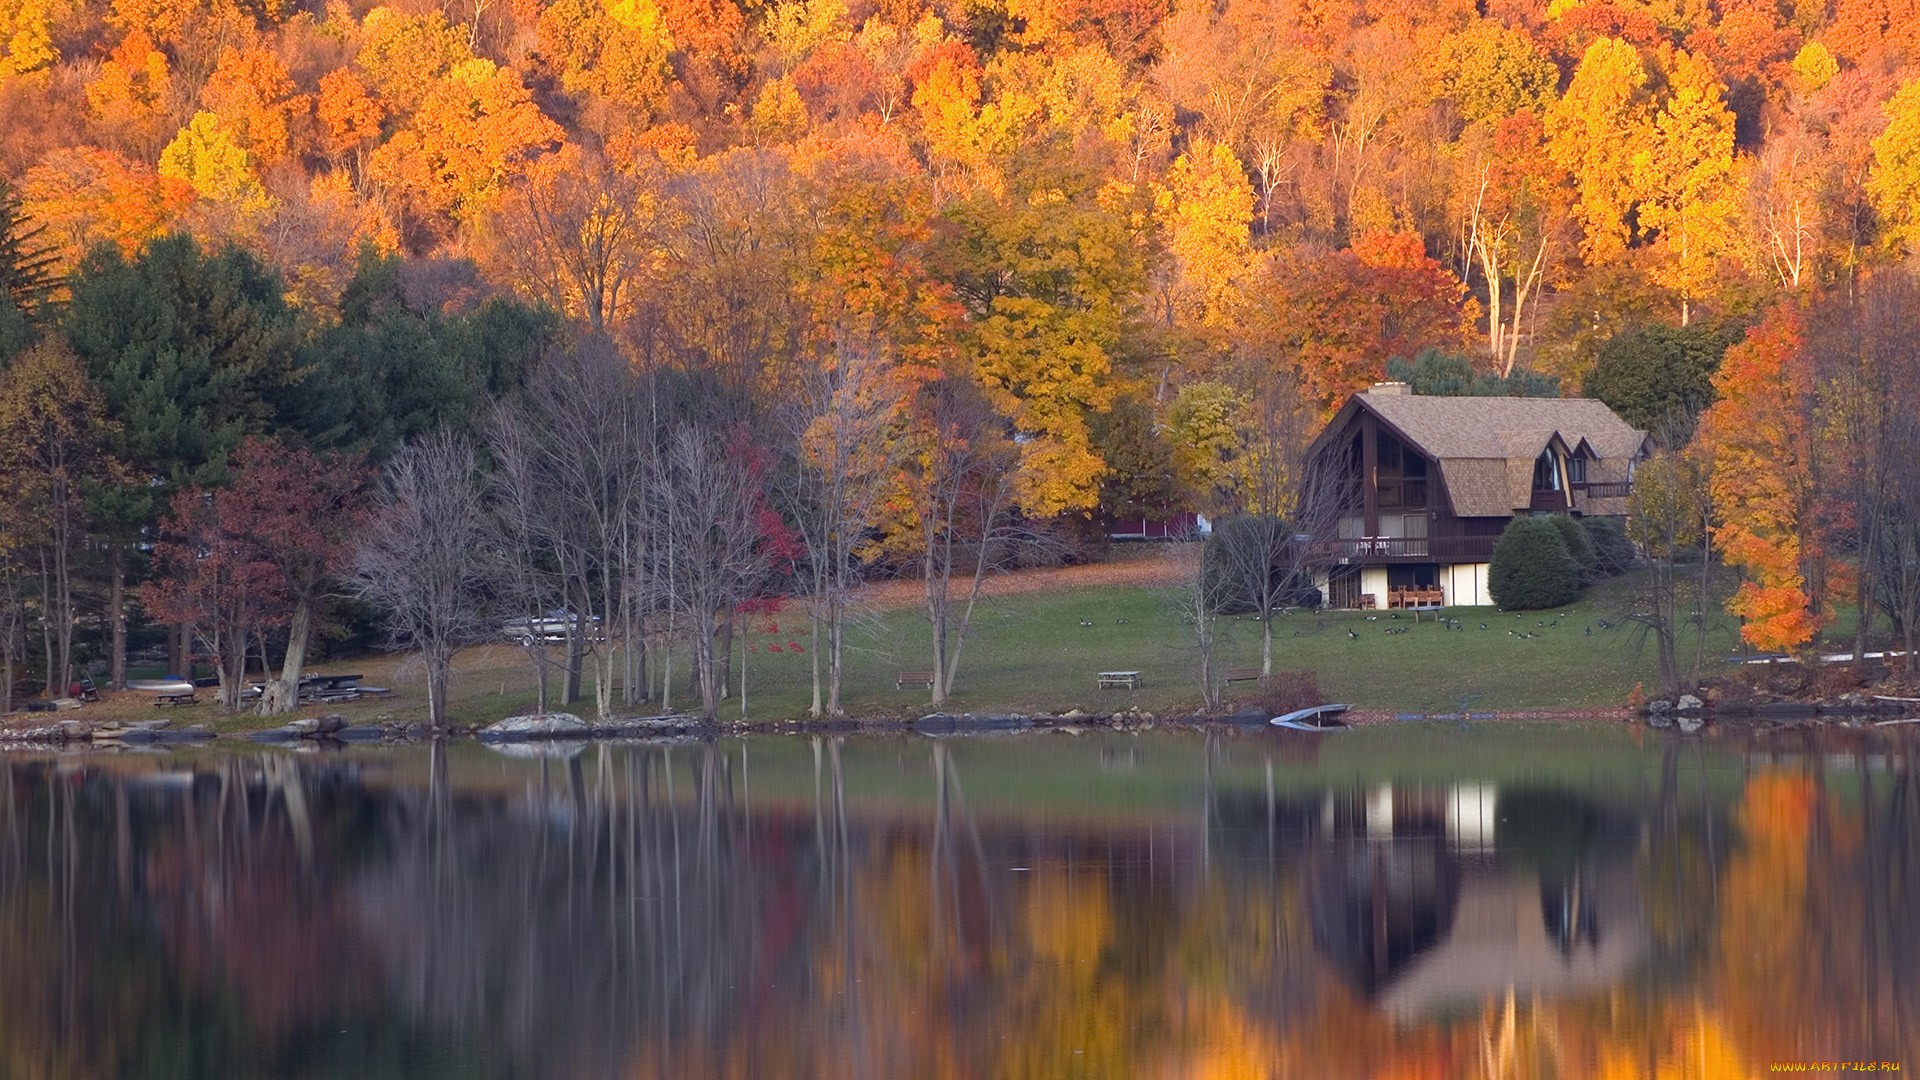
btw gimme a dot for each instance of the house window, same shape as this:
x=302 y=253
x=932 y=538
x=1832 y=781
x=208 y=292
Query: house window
x=1400 y=474
x=1577 y=470
x=1546 y=473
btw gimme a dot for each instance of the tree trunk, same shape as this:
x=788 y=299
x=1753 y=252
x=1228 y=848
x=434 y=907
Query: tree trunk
x=666 y=678
x=835 y=641
x=117 y=614
x=570 y=688
x=282 y=695
x=937 y=582
x=46 y=625
x=1863 y=583
x=705 y=671
x=439 y=668
x=814 y=709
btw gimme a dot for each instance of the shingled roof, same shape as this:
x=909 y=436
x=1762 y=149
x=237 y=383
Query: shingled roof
x=1486 y=446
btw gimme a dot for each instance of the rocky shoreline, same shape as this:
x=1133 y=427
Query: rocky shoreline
x=1686 y=712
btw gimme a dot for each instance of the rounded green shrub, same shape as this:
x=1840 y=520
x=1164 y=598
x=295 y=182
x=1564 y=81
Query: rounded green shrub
x=1579 y=548
x=1612 y=552
x=1531 y=567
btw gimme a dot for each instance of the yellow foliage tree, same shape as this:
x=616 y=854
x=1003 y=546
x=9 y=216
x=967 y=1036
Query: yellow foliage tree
x=207 y=156
x=26 y=36
x=615 y=49
x=1206 y=210
x=1685 y=176
x=404 y=55
x=1593 y=132
x=1894 y=183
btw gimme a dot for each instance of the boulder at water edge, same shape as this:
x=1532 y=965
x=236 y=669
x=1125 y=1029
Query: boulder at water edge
x=557 y=725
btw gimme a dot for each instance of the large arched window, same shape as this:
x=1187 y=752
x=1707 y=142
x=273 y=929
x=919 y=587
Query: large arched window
x=1546 y=472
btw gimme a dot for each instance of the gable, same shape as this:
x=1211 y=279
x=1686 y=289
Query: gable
x=1485 y=447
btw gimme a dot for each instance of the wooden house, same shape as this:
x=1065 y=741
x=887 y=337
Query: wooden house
x=1434 y=481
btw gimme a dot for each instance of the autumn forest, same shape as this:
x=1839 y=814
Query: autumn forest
x=873 y=280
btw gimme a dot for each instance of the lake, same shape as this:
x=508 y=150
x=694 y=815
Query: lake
x=1435 y=900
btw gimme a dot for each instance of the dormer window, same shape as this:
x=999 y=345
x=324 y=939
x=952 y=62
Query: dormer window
x=1577 y=469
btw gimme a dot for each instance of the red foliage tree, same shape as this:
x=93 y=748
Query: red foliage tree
x=244 y=561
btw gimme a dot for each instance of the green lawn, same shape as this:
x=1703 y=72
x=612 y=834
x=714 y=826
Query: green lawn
x=1029 y=652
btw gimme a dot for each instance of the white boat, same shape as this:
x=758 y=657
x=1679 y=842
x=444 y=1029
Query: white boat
x=1314 y=718
x=160 y=686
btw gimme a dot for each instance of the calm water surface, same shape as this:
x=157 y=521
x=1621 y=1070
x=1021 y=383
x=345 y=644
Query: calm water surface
x=1412 y=901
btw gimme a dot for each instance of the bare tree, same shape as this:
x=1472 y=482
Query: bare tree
x=719 y=528
x=1897 y=548
x=570 y=489
x=423 y=558
x=52 y=421
x=845 y=427
x=12 y=619
x=1669 y=517
x=1199 y=601
x=1863 y=349
x=525 y=523
x=962 y=474
x=1290 y=505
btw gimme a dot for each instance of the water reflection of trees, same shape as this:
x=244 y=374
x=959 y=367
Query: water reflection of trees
x=634 y=912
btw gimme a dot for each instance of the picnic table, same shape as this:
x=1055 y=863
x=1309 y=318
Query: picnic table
x=322 y=688
x=330 y=688
x=1126 y=680
x=174 y=697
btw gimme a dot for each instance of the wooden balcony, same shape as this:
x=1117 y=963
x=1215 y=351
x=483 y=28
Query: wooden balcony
x=1375 y=551
x=1606 y=489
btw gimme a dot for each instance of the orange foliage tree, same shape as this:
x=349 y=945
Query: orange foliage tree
x=1341 y=317
x=473 y=134
x=87 y=196
x=254 y=97
x=1766 y=474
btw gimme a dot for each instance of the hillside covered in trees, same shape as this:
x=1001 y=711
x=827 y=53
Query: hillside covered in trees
x=1065 y=258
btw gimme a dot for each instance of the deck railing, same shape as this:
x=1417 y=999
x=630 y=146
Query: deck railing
x=1447 y=549
x=1607 y=489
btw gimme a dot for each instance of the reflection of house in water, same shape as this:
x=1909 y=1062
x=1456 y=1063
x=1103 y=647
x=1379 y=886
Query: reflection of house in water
x=1431 y=899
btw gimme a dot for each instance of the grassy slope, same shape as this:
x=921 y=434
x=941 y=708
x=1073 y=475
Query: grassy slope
x=1029 y=652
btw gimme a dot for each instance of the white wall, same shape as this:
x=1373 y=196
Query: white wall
x=1373 y=579
x=1466 y=584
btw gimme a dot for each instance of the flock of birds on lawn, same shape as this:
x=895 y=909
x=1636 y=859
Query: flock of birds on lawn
x=1540 y=626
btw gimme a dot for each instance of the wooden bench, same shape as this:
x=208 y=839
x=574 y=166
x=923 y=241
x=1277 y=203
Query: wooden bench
x=913 y=680
x=1125 y=680
x=185 y=697
x=1244 y=674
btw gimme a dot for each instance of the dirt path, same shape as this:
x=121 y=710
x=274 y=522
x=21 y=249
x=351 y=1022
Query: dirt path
x=1132 y=565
